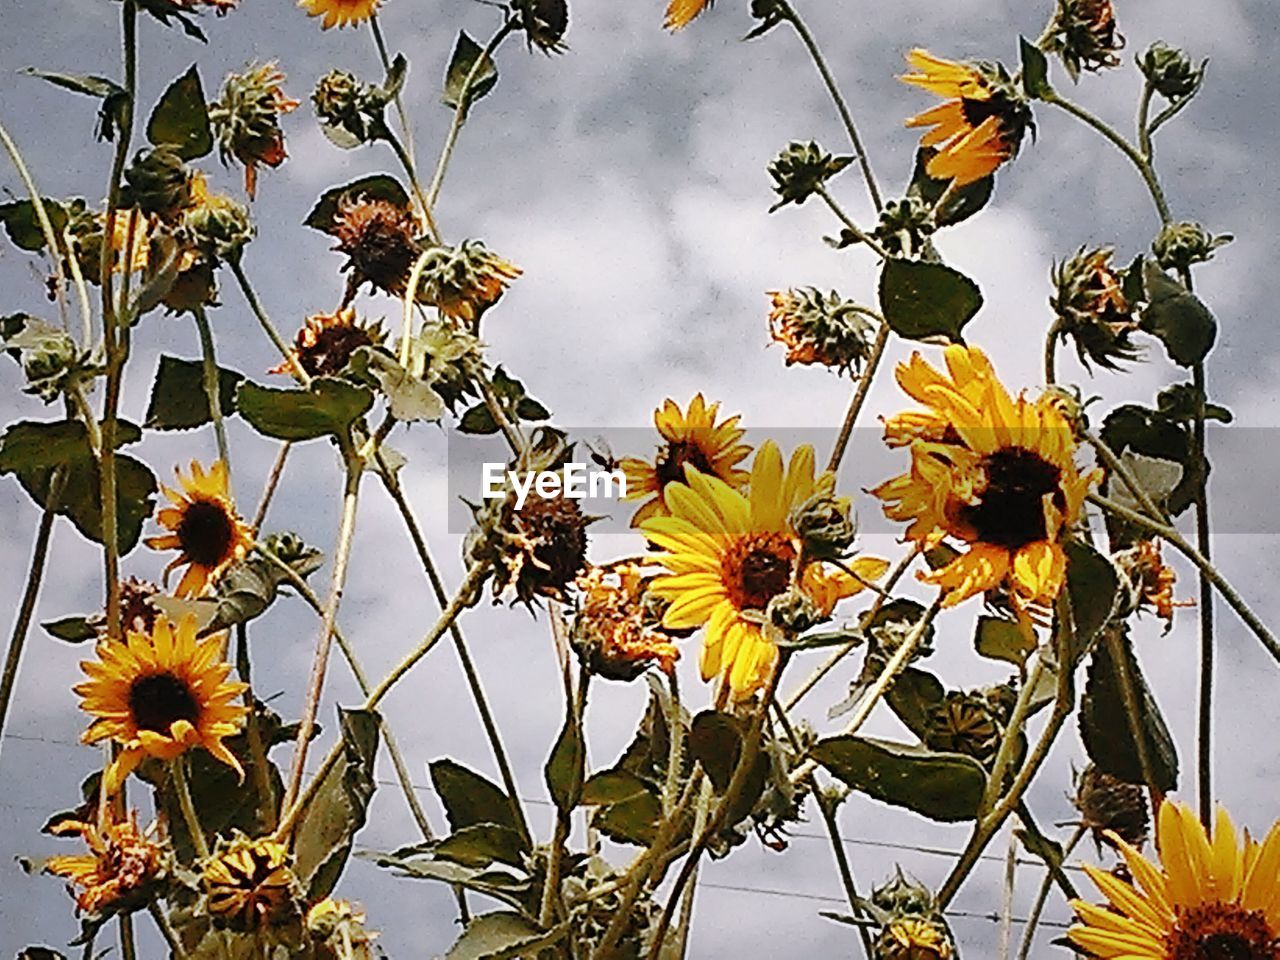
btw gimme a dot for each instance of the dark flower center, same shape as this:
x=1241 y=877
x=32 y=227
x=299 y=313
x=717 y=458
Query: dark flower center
x=757 y=569
x=333 y=348
x=673 y=457
x=1221 y=931
x=158 y=700
x=1010 y=511
x=206 y=532
x=1012 y=116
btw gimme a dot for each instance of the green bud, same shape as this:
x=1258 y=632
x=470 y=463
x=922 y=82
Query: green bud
x=800 y=170
x=1092 y=309
x=1170 y=71
x=793 y=612
x=1179 y=245
x=905 y=226
x=219 y=227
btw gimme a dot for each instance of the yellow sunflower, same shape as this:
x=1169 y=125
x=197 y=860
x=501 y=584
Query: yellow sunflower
x=120 y=868
x=692 y=437
x=249 y=884
x=1210 y=896
x=730 y=553
x=159 y=695
x=991 y=470
x=340 y=13
x=978 y=128
x=680 y=13
x=204 y=526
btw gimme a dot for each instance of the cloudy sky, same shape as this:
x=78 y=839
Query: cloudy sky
x=628 y=179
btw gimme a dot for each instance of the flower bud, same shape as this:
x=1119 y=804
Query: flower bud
x=966 y=723
x=1179 y=245
x=825 y=525
x=447 y=357
x=905 y=226
x=1108 y=805
x=216 y=225
x=820 y=328
x=1083 y=33
x=544 y=23
x=793 y=612
x=1170 y=71
x=800 y=170
x=912 y=927
x=50 y=358
x=158 y=182
x=1092 y=309
x=340 y=100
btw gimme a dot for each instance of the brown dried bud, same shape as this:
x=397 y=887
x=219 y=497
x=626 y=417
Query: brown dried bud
x=544 y=23
x=324 y=344
x=246 y=119
x=1083 y=33
x=618 y=633
x=1108 y=805
x=379 y=238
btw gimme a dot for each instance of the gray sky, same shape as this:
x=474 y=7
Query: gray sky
x=628 y=179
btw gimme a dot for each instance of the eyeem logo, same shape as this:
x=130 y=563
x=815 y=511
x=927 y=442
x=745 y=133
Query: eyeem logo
x=575 y=480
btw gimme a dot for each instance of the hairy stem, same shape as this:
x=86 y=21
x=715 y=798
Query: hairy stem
x=1042 y=896
x=857 y=232
x=170 y=935
x=212 y=386
x=178 y=777
x=273 y=481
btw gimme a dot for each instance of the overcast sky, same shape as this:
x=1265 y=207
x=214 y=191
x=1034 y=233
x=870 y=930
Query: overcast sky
x=628 y=179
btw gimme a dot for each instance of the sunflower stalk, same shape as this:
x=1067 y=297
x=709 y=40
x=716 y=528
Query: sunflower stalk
x=212 y=387
x=1042 y=895
x=859 y=398
x=178 y=777
x=1204 y=724
x=273 y=481
x=255 y=306
x=828 y=806
x=1012 y=732
x=854 y=230
x=170 y=936
x=253 y=731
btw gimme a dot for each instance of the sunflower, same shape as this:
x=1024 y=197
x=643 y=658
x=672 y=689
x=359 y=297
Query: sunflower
x=1210 y=896
x=337 y=926
x=205 y=527
x=991 y=470
x=121 y=867
x=692 y=437
x=681 y=13
x=914 y=938
x=729 y=554
x=463 y=282
x=249 y=884
x=978 y=128
x=160 y=694
x=340 y=13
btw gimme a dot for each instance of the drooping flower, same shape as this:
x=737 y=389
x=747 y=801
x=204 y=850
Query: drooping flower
x=730 y=554
x=993 y=471
x=137 y=612
x=1210 y=895
x=249 y=885
x=160 y=694
x=1111 y=808
x=246 y=119
x=681 y=13
x=340 y=13
x=379 y=238
x=325 y=342
x=692 y=437
x=618 y=628
x=981 y=124
x=1083 y=33
x=464 y=281
x=120 y=870
x=820 y=328
x=1151 y=580
x=913 y=938
x=544 y=23
x=204 y=526
x=1092 y=309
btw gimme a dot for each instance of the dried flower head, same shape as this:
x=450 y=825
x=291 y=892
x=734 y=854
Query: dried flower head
x=337 y=928
x=1151 y=580
x=340 y=13
x=1108 y=805
x=121 y=871
x=825 y=525
x=1182 y=245
x=980 y=126
x=966 y=722
x=350 y=112
x=462 y=282
x=324 y=344
x=914 y=938
x=249 y=884
x=1092 y=309
x=246 y=118
x=544 y=23
x=820 y=328
x=543 y=548
x=137 y=612
x=1170 y=71
x=1083 y=33
x=379 y=238
x=618 y=631
x=800 y=170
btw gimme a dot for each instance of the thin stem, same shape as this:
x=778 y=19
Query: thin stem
x=1012 y=733
x=253 y=732
x=510 y=432
x=320 y=662
x=460 y=111
x=701 y=811
x=35 y=574
x=406 y=161
x=1144 y=128
x=265 y=322
x=410 y=299
x=178 y=777
x=1042 y=896
x=857 y=232
x=1005 y=934
x=859 y=397
x=1204 y=725
x=128 y=945
x=166 y=931
x=675 y=752
x=273 y=480
x=1228 y=593
x=1051 y=354
x=212 y=385
x=846 y=116
x=828 y=806
x=1142 y=163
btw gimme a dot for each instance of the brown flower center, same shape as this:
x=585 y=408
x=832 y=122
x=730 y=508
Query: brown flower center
x=1221 y=931
x=758 y=568
x=158 y=700
x=1010 y=511
x=672 y=458
x=206 y=532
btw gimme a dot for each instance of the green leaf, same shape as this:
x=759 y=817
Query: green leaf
x=566 y=767
x=1001 y=639
x=478 y=420
x=1153 y=434
x=1177 y=317
x=611 y=786
x=327 y=829
x=1104 y=722
x=922 y=300
x=113 y=96
x=71 y=629
x=246 y=589
x=914 y=694
x=409 y=398
x=715 y=741
x=962 y=203
x=942 y=786
x=1035 y=71
x=482 y=844
x=23 y=225
x=32 y=450
x=1092 y=586
x=465 y=54
x=180 y=120
x=379 y=186
x=469 y=798
x=330 y=407
x=178 y=400
x=1178 y=402
x=494 y=935
x=633 y=821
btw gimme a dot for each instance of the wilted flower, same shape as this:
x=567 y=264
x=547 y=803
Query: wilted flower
x=538 y=549
x=447 y=358
x=216 y=225
x=1180 y=245
x=246 y=119
x=1083 y=33
x=800 y=170
x=337 y=927
x=618 y=630
x=1151 y=580
x=979 y=127
x=119 y=873
x=820 y=328
x=544 y=23
x=249 y=884
x=1093 y=310
x=825 y=525
x=137 y=613
x=158 y=182
x=1109 y=805
x=1170 y=71
x=379 y=238
x=464 y=281
x=325 y=342
x=340 y=13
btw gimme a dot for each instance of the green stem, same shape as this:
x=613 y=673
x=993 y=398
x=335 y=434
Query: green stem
x=178 y=776
x=859 y=397
x=170 y=935
x=406 y=161
x=273 y=480
x=265 y=322
x=212 y=386
x=857 y=232
x=1042 y=896
x=827 y=806
x=253 y=732
x=1012 y=734
x=1204 y=726
x=1051 y=354
x=1144 y=128
x=1004 y=936
x=128 y=945
x=846 y=116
